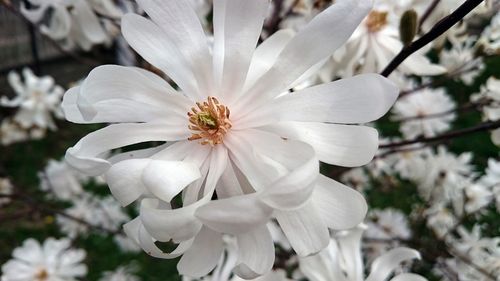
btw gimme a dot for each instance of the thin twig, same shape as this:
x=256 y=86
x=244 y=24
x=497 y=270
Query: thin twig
x=440 y=28
x=486 y=126
x=428 y=12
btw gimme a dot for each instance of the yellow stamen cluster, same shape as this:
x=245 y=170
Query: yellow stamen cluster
x=376 y=21
x=42 y=275
x=209 y=122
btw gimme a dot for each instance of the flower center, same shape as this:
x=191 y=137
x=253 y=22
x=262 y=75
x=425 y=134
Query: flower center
x=42 y=275
x=376 y=21
x=209 y=122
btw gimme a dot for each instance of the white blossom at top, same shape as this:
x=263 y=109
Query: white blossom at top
x=230 y=132
x=376 y=42
x=74 y=22
x=343 y=261
x=53 y=260
x=37 y=100
x=427 y=112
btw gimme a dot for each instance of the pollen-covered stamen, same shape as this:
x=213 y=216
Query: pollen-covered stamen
x=376 y=21
x=209 y=122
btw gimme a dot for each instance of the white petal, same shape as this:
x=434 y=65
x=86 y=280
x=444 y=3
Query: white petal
x=165 y=224
x=125 y=94
x=305 y=229
x=203 y=255
x=88 y=21
x=349 y=246
x=256 y=253
x=182 y=27
x=266 y=54
x=341 y=145
x=234 y=215
x=384 y=265
x=360 y=99
x=85 y=155
x=237 y=28
x=318 y=40
x=166 y=179
x=151 y=43
x=124 y=180
x=340 y=206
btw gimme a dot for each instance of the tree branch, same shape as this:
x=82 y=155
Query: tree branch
x=440 y=28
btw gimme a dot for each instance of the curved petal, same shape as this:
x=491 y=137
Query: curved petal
x=148 y=40
x=166 y=224
x=86 y=154
x=237 y=28
x=203 y=255
x=318 y=40
x=359 y=99
x=182 y=28
x=340 y=206
x=384 y=265
x=88 y=22
x=124 y=180
x=166 y=179
x=341 y=145
x=349 y=246
x=256 y=253
x=305 y=229
x=235 y=215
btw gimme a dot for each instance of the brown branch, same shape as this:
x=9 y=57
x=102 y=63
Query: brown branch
x=486 y=126
x=441 y=27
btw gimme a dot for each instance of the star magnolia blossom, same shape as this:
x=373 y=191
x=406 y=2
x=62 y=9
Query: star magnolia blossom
x=54 y=260
x=343 y=261
x=238 y=151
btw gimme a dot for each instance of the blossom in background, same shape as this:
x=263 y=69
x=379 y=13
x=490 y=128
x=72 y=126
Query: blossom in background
x=492 y=179
x=477 y=196
x=343 y=261
x=122 y=273
x=376 y=42
x=230 y=131
x=74 y=22
x=37 y=100
x=460 y=60
x=53 y=260
x=427 y=112
x=491 y=91
x=60 y=180
x=440 y=219
x=387 y=224
x=6 y=188
x=490 y=38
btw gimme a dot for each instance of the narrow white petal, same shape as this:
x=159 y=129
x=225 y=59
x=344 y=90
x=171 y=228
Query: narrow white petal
x=203 y=255
x=340 y=206
x=166 y=179
x=384 y=265
x=349 y=245
x=256 y=253
x=235 y=215
x=341 y=145
x=305 y=229
x=237 y=28
x=318 y=40
x=147 y=39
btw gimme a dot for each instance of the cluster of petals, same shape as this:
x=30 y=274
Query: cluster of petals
x=265 y=162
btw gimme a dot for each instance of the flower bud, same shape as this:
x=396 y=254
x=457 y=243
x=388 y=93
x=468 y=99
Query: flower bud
x=408 y=27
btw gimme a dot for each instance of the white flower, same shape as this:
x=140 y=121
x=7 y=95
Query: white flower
x=38 y=98
x=419 y=113
x=492 y=179
x=477 y=197
x=490 y=91
x=461 y=59
x=61 y=180
x=387 y=224
x=440 y=219
x=73 y=21
x=490 y=38
x=376 y=42
x=11 y=132
x=230 y=132
x=6 y=188
x=54 y=260
x=122 y=273
x=343 y=261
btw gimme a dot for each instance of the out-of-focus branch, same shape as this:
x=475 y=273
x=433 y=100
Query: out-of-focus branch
x=428 y=12
x=440 y=28
x=486 y=126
